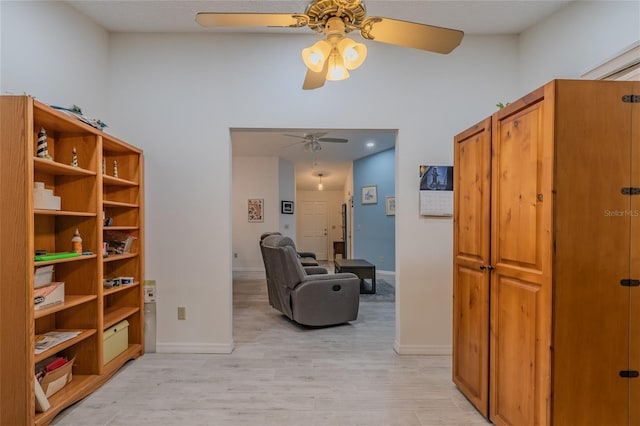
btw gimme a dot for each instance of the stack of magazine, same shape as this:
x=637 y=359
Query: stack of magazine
x=52 y=338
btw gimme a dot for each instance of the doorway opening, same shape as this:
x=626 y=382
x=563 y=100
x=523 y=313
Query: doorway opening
x=271 y=165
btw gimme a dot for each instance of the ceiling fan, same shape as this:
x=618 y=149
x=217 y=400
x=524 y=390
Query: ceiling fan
x=311 y=142
x=332 y=57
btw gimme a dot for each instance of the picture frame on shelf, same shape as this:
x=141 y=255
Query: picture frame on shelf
x=390 y=205
x=286 y=207
x=255 y=210
x=370 y=194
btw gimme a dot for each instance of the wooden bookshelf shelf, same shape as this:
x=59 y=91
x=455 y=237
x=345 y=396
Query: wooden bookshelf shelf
x=110 y=291
x=68 y=259
x=107 y=203
x=64 y=345
x=120 y=228
x=59 y=169
x=116 y=257
x=113 y=316
x=86 y=193
x=78 y=388
x=110 y=180
x=69 y=302
x=132 y=351
x=43 y=212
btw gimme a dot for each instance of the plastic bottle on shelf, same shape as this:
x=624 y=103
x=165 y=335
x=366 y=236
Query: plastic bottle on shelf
x=76 y=242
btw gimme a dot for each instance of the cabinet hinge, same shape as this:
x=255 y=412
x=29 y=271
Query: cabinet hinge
x=634 y=99
x=630 y=190
x=630 y=283
x=629 y=374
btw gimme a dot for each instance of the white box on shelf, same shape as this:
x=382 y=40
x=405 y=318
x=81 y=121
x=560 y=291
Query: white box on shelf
x=43 y=276
x=44 y=199
x=49 y=295
x=116 y=340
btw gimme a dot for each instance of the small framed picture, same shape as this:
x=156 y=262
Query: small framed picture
x=256 y=210
x=286 y=207
x=370 y=194
x=390 y=205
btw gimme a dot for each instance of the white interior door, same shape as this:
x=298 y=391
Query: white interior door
x=312 y=235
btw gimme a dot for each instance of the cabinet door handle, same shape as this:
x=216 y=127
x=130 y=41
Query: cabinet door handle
x=482 y=267
x=490 y=268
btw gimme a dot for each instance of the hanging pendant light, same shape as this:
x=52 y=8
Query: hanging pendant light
x=320 y=186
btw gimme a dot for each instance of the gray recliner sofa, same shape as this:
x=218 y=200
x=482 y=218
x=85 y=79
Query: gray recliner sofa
x=307 y=258
x=314 y=300
x=310 y=270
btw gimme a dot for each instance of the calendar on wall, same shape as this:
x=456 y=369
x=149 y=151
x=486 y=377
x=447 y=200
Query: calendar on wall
x=436 y=190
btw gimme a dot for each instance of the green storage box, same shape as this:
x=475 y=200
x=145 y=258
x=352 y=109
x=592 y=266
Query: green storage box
x=116 y=340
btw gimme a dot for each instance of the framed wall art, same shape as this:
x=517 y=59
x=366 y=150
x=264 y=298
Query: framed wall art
x=390 y=205
x=256 y=210
x=370 y=194
x=286 y=207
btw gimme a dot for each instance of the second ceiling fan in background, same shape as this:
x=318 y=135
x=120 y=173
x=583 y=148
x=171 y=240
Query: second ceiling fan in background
x=332 y=57
x=311 y=142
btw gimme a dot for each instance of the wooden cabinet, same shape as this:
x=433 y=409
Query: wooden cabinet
x=546 y=258
x=85 y=193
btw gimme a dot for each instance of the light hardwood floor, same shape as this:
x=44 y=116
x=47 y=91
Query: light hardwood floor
x=283 y=374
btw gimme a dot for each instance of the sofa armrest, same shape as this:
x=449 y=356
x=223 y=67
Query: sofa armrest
x=326 y=299
x=315 y=270
x=306 y=254
x=329 y=277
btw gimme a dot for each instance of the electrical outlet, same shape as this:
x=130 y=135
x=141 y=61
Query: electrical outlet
x=381 y=259
x=182 y=313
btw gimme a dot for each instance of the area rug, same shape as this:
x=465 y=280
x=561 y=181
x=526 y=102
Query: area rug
x=385 y=292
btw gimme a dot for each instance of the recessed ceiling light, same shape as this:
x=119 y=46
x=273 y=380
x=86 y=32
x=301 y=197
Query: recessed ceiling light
x=370 y=144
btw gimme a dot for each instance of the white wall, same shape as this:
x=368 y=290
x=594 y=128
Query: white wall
x=576 y=38
x=287 y=184
x=253 y=177
x=54 y=53
x=334 y=200
x=178 y=95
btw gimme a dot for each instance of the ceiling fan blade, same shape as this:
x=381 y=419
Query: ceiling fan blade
x=315 y=80
x=292 y=144
x=411 y=34
x=294 y=136
x=213 y=19
x=333 y=140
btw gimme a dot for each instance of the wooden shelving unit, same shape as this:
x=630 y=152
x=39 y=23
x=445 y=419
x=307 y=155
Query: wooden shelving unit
x=88 y=193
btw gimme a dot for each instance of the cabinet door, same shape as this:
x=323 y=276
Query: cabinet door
x=472 y=171
x=592 y=241
x=521 y=240
x=634 y=364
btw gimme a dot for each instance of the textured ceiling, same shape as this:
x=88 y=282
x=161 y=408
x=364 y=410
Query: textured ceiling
x=333 y=160
x=472 y=17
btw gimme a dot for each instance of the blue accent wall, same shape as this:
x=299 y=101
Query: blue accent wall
x=374 y=233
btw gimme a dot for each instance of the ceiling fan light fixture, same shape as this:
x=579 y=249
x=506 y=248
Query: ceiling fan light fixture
x=315 y=56
x=353 y=54
x=336 y=71
x=313 y=146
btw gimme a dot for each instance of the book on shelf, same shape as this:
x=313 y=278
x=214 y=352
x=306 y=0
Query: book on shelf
x=118 y=242
x=52 y=338
x=42 y=403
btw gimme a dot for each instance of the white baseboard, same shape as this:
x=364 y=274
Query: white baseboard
x=422 y=349
x=195 y=348
x=380 y=271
